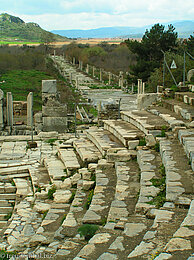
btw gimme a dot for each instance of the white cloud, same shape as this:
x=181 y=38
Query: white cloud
x=87 y=14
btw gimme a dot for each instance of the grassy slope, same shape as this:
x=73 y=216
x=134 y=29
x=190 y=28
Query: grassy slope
x=21 y=82
x=12 y=28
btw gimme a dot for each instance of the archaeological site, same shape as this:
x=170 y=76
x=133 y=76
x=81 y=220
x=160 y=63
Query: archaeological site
x=115 y=185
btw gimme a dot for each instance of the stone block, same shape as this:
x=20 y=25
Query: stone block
x=60 y=111
x=132 y=144
x=49 y=86
x=58 y=124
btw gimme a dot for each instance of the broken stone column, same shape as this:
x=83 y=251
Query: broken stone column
x=93 y=71
x=54 y=53
x=1 y=109
x=87 y=69
x=81 y=65
x=77 y=82
x=73 y=60
x=139 y=87
x=100 y=74
x=132 y=88
x=70 y=77
x=143 y=88
x=54 y=114
x=121 y=79
x=9 y=109
x=109 y=78
x=30 y=110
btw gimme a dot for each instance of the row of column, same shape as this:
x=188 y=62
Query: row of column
x=121 y=78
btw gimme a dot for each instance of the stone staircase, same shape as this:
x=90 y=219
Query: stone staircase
x=139 y=195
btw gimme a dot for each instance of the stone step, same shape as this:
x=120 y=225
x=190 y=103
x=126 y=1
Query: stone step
x=179 y=179
x=2 y=216
x=3 y=224
x=186 y=97
x=55 y=168
x=103 y=194
x=6 y=203
x=102 y=139
x=6 y=209
x=184 y=110
x=147 y=122
x=69 y=158
x=14 y=170
x=87 y=151
x=8 y=196
x=123 y=131
x=186 y=138
x=7 y=189
x=11 y=176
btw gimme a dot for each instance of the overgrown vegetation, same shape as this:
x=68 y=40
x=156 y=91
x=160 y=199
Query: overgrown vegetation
x=87 y=231
x=160 y=183
x=51 y=192
x=44 y=214
x=89 y=199
x=8 y=216
x=142 y=142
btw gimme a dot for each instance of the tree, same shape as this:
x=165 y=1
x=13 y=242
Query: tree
x=148 y=52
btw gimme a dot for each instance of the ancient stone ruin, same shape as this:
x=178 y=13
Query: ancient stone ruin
x=121 y=190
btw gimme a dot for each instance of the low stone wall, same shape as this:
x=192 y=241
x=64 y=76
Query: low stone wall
x=145 y=100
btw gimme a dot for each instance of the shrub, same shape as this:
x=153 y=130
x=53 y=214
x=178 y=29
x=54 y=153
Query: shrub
x=87 y=231
x=142 y=142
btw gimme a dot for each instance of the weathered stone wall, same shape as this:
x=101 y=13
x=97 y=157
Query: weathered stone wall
x=145 y=100
x=20 y=108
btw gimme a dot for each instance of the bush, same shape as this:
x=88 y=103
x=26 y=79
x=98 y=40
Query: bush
x=87 y=231
x=142 y=142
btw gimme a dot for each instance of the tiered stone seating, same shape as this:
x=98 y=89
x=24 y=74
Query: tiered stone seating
x=123 y=131
x=102 y=139
x=182 y=105
x=186 y=138
x=148 y=123
x=177 y=170
x=69 y=158
x=87 y=151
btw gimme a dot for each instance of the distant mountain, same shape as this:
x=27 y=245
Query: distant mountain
x=13 y=28
x=184 y=29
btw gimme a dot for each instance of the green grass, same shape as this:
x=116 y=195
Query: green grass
x=15 y=42
x=21 y=82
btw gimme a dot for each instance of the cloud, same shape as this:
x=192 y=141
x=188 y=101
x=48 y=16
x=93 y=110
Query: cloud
x=86 y=14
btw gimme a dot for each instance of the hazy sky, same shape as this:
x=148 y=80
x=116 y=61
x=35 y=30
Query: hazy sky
x=87 y=14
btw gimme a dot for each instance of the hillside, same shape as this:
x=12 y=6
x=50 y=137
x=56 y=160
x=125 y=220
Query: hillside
x=184 y=29
x=13 y=28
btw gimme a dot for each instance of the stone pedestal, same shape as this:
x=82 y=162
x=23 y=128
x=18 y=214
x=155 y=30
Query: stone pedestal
x=9 y=109
x=54 y=114
x=30 y=110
